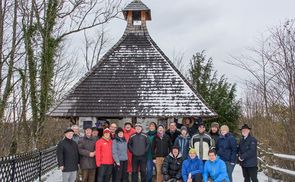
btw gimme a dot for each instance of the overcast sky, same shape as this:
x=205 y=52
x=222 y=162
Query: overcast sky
x=221 y=27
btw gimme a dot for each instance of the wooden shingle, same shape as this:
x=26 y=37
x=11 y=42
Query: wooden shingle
x=133 y=79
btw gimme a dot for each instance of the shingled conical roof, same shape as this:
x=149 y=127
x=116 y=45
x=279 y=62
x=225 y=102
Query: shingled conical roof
x=134 y=79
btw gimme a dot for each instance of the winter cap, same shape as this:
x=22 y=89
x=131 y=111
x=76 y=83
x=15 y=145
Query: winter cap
x=183 y=128
x=160 y=125
x=138 y=125
x=192 y=151
x=118 y=130
x=68 y=130
x=215 y=124
x=245 y=126
x=106 y=131
x=175 y=147
x=128 y=123
x=201 y=124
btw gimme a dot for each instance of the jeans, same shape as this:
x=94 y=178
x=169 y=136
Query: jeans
x=69 y=176
x=250 y=173
x=139 y=161
x=149 y=166
x=229 y=169
x=104 y=173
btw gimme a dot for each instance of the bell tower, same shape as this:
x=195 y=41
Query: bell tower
x=137 y=11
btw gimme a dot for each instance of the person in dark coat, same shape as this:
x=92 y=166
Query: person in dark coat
x=76 y=135
x=151 y=137
x=191 y=126
x=214 y=131
x=138 y=145
x=120 y=156
x=161 y=148
x=86 y=147
x=226 y=148
x=183 y=142
x=171 y=168
x=68 y=156
x=172 y=132
x=247 y=154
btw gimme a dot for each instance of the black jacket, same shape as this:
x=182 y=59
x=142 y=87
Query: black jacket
x=215 y=136
x=68 y=155
x=192 y=130
x=172 y=166
x=161 y=147
x=86 y=145
x=138 y=144
x=173 y=135
x=248 y=151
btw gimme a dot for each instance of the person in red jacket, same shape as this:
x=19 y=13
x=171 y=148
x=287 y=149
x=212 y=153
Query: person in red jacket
x=128 y=131
x=104 y=158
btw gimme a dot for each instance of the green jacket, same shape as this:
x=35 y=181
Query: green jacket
x=151 y=136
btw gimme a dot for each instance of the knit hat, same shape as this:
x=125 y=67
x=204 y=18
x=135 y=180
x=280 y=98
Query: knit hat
x=174 y=147
x=183 y=128
x=68 y=130
x=138 y=125
x=192 y=151
x=160 y=125
x=128 y=123
x=106 y=131
x=201 y=124
x=118 y=130
x=215 y=124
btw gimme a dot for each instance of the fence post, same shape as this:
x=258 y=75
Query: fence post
x=13 y=170
x=40 y=165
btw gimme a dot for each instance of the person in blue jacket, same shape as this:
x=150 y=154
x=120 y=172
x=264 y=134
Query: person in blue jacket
x=192 y=168
x=248 y=154
x=226 y=148
x=215 y=168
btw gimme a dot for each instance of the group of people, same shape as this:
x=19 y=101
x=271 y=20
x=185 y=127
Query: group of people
x=184 y=152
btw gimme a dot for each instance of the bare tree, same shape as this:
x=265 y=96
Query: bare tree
x=46 y=25
x=273 y=70
x=94 y=47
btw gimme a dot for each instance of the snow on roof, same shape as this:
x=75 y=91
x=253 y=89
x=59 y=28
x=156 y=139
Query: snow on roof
x=134 y=79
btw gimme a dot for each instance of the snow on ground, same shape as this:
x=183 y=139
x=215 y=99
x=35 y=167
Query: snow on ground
x=55 y=176
x=238 y=176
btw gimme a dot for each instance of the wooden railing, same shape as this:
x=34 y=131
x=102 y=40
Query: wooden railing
x=277 y=166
